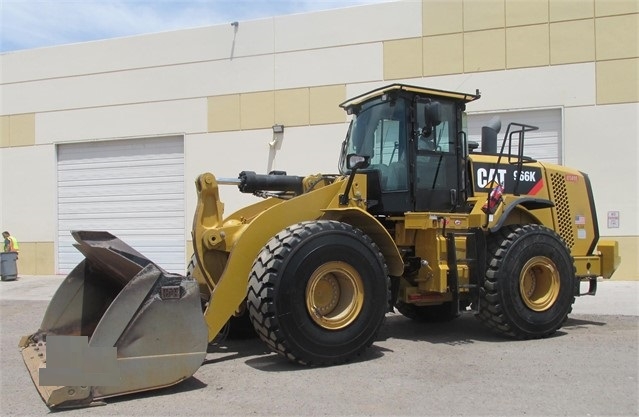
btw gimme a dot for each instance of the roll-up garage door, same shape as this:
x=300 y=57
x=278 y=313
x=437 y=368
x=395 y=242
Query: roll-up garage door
x=543 y=144
x=133 y=189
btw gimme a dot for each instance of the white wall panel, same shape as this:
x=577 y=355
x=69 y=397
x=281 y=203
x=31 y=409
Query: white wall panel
x=346 y=64
x=564 y=85
x=302 y=151
x=28 y=192
x=159 y=49
x=310 y=150
x=225 y=155
x=143 y=85
x=347 y=26
x=525 y=88
x=108 y=55
x=602 y=141
x=252 y=37
x=242 y=75
x=160 y=118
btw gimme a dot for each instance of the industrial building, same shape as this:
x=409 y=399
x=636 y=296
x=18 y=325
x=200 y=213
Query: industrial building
x=111 y=135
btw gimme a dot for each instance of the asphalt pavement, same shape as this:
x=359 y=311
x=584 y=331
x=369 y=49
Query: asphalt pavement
x=590 y=367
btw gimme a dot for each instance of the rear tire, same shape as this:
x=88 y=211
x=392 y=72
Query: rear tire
x=528 y=290
x=318 y=292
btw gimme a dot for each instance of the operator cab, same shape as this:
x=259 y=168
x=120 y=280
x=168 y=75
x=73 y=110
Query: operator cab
x=413 y=139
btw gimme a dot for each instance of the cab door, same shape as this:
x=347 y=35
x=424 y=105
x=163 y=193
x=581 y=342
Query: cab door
x=436 y=163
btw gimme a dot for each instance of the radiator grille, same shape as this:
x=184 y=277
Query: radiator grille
x=562 y=205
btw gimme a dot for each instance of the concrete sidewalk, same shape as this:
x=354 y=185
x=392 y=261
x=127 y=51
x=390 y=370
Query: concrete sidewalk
x=31 y=287
x=613 y=297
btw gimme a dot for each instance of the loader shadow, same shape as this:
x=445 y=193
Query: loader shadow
x=461 y=331
x=189 y=384
x=277 y=363
x=465 y=329
x=573 y=323
x=234 y=349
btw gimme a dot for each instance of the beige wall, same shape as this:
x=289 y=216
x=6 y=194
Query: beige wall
x=36 y=258
x=260 y=110
x=224 y=87
x=490 y=35
x=17 y=130
x=628 y=250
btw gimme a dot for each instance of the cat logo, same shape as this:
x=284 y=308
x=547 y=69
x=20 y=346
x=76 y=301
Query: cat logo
x=528 y=180
x=485 y=176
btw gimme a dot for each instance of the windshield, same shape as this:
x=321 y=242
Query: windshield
x=378 y=131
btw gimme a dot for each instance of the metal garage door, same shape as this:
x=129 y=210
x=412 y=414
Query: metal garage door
x=543 y=144
x=131 y=188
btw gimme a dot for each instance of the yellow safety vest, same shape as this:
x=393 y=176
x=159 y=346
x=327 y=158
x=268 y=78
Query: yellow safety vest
x=13 y=245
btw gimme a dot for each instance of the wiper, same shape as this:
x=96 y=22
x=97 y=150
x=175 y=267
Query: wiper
x=439 y=164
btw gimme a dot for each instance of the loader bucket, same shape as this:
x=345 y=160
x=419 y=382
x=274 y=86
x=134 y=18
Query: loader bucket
x=117 y=324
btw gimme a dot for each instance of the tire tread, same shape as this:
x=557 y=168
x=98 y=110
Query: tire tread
x=492 y=313
x=264 y=275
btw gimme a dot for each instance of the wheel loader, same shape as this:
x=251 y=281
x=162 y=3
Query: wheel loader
x=419 y=220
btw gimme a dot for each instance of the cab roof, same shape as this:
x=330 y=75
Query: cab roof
x=466 y=97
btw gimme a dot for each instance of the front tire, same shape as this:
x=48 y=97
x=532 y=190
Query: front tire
x=318 y=292
x=528 y=290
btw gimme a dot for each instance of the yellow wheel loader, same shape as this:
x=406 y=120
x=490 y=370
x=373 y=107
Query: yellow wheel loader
x=417 y=219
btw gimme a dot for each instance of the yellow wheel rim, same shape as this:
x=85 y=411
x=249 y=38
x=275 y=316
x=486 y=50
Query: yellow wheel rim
x=539 y=283
x=334 y=295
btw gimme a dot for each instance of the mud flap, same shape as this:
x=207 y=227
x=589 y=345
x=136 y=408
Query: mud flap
x=117 y=324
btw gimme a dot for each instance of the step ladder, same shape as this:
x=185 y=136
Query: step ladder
x=475 y=260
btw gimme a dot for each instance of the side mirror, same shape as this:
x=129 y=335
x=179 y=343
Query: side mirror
x=432 y=117
x=355 y=161
x=433 y=113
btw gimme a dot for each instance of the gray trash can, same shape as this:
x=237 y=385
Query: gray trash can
x=8 y=266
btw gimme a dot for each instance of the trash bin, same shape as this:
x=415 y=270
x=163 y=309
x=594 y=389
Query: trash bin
x=8 y=266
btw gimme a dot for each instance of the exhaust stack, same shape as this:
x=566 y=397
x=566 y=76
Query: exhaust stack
x=489 y=136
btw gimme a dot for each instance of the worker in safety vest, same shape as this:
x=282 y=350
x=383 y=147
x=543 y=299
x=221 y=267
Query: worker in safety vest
x=10 y=242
